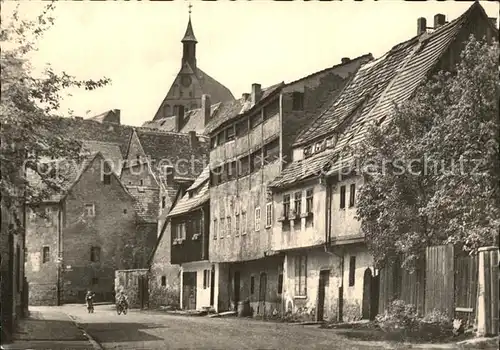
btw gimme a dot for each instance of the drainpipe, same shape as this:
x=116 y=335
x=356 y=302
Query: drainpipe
x=202 y=229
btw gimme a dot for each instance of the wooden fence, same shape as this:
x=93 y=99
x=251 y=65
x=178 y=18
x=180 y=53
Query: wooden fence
x=444 y=279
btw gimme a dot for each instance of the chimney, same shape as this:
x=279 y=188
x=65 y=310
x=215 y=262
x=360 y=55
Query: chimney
x=493 y=21
x=245 y=96
x=256 y=93
x=421 y=25
x=345 y=60
x=439 y=20
x=113 y=116
x=193 y=139
x=179 y=117
x=205 y=108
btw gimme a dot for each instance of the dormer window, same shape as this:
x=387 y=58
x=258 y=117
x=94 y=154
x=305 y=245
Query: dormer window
x=230 y=133
x=308 y=151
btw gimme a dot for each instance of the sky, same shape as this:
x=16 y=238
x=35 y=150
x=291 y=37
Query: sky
x=137 y=44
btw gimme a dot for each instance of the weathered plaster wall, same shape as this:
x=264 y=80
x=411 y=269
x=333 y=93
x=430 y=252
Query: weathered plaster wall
x=343 y=221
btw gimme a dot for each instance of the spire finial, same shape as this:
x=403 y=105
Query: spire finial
x=190 y=6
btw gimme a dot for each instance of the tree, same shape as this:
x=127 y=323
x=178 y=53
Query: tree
x=432 y=174
x=28 y=103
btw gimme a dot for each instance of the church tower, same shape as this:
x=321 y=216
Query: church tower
x=189 y=45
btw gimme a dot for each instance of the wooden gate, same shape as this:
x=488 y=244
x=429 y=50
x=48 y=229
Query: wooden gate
x=440 y=279
x=143 y=291
x=466 y=278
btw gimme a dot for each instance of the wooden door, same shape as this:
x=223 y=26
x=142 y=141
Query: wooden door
x=367 y=289
x=324 y=279
x=212 y=286
x=236 y=290
x=261 y=310
x=143 y=291
x=189 y=290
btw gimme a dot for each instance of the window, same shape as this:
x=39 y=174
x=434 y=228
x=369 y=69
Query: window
x=272 y=109
x=216 y=176
x=45 y=254
x=89 y=210
x=222 y=227
x=163 y=201
x=298 y=101
x=280 y=283
x=206 y=279
x=106 y=175
x=241 y=128
x=163 y=281
x=230 y=133
x=257 y=219
x=237 y=224
x=252 y=284
x=95 y=281
x=244 y=167
x=220 y=138
x=233 y=172
x=95 y=254
x=124 y=211
x=301 y=275
x=255 y=161
x=309 y=200
x=342 y=197
x=286 y=205
x=243 y=223
x=269 y=214
x=308 y=151
x=298 y=203
x=352 y=195
x=182 y=230
x=215 y=228
x=141 y=182
x=272 y=151
x=228 y=221
x=255 y=120
x=224 y=172
x=48 y=216
x=352 y=270
x=213 y=142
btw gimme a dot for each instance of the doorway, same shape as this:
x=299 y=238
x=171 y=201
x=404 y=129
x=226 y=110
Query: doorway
x=237 y=283
x=189 y=290
x=261 y=309
x=324 y=281
x=212 y=286
x=367 y=295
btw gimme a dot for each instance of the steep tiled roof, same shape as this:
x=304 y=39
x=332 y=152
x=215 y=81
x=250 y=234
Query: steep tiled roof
x=370 y=96
x=195 y=196
x=230 y=110
x=174 y=149
x=217 y=91
x=110 y=151
x=147 y=201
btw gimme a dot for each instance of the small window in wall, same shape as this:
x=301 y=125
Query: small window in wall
x=352 y=270
x=216 y=227
x=106 y=174
x=255 y=161
x=237 y=225
x=286 y=206
x=271 y=109
x=233 y=171
x=141 y=182
x=272 y=151
x=269 y=215
x=213 y=142
x=352 y=195
x=222 y=227
x=298 y=101
x=301 y=275
x=89 y=210
x=206 y=279
x=342 y=197
x=298 y=203
x=241 y=128
x=309 y=200
x=280 y=283
x=244 y=167
x=230 y=133
x=221 y=138
x=45 y=254
x=163 y=281
x=95 y=254
x=163 y=201
x=257 y=219
x=95 y=281
x=255 y=120
x=252 y=284
x=229 y=227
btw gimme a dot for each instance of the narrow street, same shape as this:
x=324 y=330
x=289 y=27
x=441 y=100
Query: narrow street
x=155 y=330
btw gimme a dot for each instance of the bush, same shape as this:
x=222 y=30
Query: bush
x=436 y=324
x=399 y=318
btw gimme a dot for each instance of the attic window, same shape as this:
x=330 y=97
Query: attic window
x=381 y=120
x=242 y=127
x=308 y=151
x=230 y=133
x=297 y=101
x=190 y=194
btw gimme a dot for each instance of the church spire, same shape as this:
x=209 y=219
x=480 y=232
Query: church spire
x=189 y=45
x=189 y=35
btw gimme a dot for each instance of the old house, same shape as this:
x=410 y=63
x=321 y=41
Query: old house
x=328 y=268
x=78 y=237
x=190 y=220
x=248 y=146
x=186 y=91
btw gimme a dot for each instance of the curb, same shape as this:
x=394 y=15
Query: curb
x=92 y=341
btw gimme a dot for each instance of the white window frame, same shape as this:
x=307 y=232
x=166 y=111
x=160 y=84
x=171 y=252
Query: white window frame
x=229 y=226
x=215 y=228
x=243 y=223
x=269 y=214
x=257 y=217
